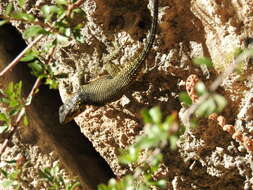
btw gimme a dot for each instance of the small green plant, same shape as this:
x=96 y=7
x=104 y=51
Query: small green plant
x=13 y=178
x=145 y=154
x=58 y=22
x=12 y=101
x=56 y=180
x=203 y=61
x=40 y=70
x=214 y=103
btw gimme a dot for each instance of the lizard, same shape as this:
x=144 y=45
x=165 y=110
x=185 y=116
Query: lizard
x=110 y=87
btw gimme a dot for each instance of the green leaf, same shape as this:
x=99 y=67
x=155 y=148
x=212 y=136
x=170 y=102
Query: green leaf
x=67 y=32
x=103 y=187
x=18 y=88
x=37 y=68
x=13 y=103
x=169 y=122
x=161 y=184
x=61 y=2
x=62 y=39
x=48 y=11
x=214 y=103
x=60 y=76
x=11 y=161
x=5 y=173
x=185 y=98
x=54 y=171
x=44 y=174
x=201 y=89
x=244 y=55
x=143 y=187
x=21 y=3
x=79 y=38
x=130 y=156
x=203 y=61
x=5 y=100
x=156 y=160
x=2 y=22
x=237 y=52
x=75 y=185
x=220 y=102
x=156 y=114
x=34 y=31
x=28 y=58
x=148 y=142
x=9 y=9
x=7 y=183
x=53 y=84
x=206 y=108
x=112 y=181
x=9 y=90
x=173 y=142
x=3 y=129
x=18 y=186
x=14 y=175
x=3 y=117
x=25 y=120
x=23 y=16
x=1 y=91
x=146 y=117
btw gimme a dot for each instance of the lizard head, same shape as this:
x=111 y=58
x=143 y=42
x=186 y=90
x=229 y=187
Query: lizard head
x=73 y=107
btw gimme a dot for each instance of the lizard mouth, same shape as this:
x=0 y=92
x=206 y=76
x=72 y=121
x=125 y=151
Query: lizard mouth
x=71 y=108
x=67 y=113
x=63 y=115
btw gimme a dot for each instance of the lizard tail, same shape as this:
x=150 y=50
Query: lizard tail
x=151 y=37
x=131 y=69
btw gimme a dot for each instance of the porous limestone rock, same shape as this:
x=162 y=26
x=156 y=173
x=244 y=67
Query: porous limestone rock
x=207 y=158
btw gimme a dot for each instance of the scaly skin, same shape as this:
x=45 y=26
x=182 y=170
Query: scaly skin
x=108 y=88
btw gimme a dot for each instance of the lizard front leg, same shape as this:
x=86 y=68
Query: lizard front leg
x=112 y=69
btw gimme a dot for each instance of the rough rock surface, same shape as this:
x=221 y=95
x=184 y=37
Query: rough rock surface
x=208 y=158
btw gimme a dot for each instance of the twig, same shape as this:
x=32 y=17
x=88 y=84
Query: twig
x=237 y=135
x=50 y=55
x=230 y=69
x=34 y=88
x=27 y=103
x=19 y=117
x=45 y=25
x=73 y=6
x=17 y=59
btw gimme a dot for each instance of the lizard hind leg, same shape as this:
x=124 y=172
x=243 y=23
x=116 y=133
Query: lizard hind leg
x=110 y=67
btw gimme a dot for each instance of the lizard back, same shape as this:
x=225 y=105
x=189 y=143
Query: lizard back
x=108 y=89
